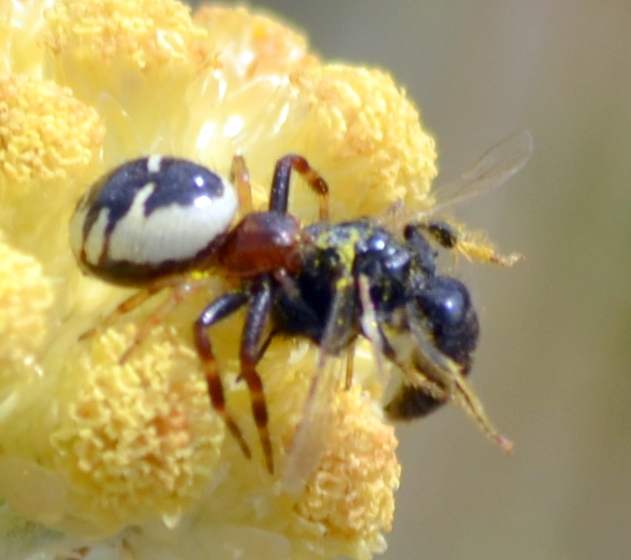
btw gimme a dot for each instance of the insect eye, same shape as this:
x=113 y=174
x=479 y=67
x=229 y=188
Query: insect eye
x=445 y=301
x=447 y=307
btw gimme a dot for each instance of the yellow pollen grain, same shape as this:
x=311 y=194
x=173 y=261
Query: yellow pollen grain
x=139 y=440
x=373 y=134
x=25 y=299
x=145 y=31
x=45 y=134
x=351 y=494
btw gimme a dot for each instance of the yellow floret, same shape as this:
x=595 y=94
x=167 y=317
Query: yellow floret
x=367 y=135
x=147 y=32
x=48 y=140
x=25 y=299
x=133 y=453
x=136 y=441
x=252 y=45
x=135 y=62
x=350 y=497
x=46 y=134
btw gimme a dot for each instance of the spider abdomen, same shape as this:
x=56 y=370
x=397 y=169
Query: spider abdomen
x=150 y=217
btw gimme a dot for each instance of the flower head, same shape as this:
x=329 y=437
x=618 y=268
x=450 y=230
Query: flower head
x=131 y=456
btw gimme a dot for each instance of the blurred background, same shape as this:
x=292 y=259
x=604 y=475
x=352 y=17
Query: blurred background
x=553 y=364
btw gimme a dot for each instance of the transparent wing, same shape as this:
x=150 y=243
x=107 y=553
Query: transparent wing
x=491 y=171
x=312 y=433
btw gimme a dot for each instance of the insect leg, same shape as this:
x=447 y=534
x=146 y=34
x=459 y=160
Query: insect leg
x=255 y=322
x=420 y=247
x=279 y=197
x=442 y=370
x=417 y=396
x=469 y=245
x=370 y=326
x=350 y=365
x=219 y=309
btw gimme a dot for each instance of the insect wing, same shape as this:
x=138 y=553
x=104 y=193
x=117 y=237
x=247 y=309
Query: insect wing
x=491 y=171
x=313 y=431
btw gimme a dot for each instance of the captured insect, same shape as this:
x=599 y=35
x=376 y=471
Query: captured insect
x=421 y=321
x=154 y=221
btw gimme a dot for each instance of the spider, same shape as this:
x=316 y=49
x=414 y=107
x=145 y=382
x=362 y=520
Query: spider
x=151 y=222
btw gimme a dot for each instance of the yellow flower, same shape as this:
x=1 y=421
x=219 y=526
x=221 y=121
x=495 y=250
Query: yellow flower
x=95 y=455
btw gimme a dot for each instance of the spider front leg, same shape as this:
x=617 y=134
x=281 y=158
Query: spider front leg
x=255 y=323
x=219 y=309
x=279 y=197
x=240 y=177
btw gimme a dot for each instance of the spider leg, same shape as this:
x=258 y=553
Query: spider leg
x=129 y=304
x=240 y=177
x=255 y=322
x=177 y=296
x=279 y=197
x=136 y=300
x=219 y=309
x=265 y=345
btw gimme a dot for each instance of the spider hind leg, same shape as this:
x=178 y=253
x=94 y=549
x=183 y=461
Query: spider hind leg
x=179 y=289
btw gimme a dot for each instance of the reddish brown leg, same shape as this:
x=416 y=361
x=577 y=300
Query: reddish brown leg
x=132 y=302
x=219 y=309
x=255 y=323
x=177 y=296
x=240 y=177
x=279 y=197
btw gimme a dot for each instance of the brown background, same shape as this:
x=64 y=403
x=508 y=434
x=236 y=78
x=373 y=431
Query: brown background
x=553 y=367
